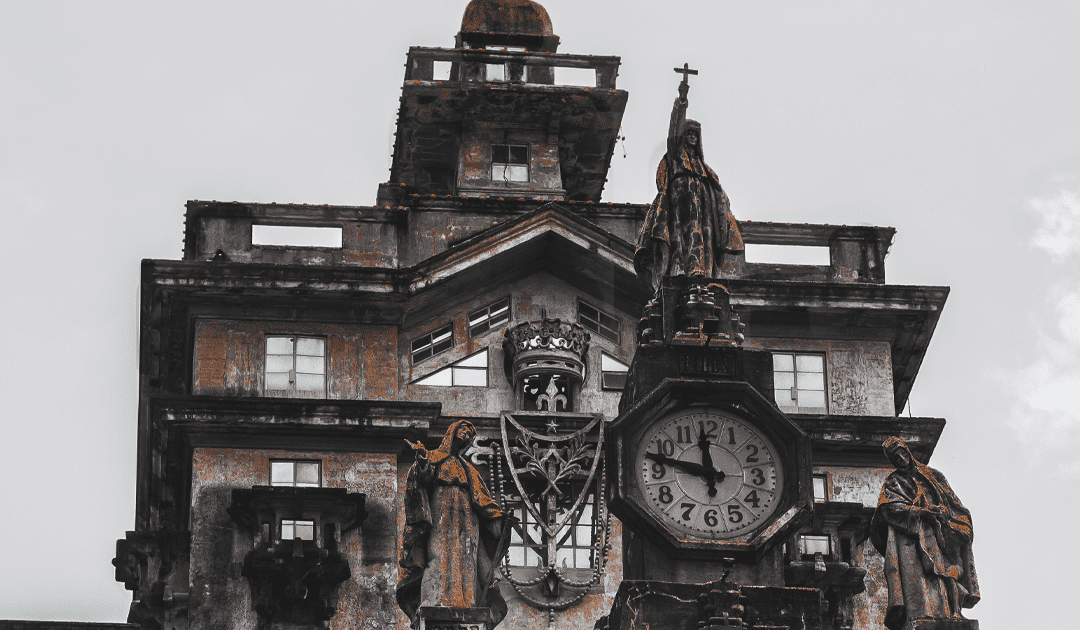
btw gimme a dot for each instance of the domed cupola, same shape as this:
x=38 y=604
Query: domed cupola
x=507 y=23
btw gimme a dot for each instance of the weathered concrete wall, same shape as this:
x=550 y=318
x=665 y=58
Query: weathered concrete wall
x=432 y=231
x=230 y=356
x=860 y=377
x=474 y=167
x=530 y=299
x=221 y=598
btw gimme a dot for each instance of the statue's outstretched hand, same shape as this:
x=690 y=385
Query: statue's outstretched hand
x=419 y=449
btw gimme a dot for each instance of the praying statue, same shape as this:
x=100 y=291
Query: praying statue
x=455 y=533
x=925 y=535
x=689 y=229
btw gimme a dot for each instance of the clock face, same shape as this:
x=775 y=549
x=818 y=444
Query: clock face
x=709 y=474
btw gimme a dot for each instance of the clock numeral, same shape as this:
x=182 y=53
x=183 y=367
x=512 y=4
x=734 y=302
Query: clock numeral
x=734 y=514
x=731 y=435
x=710 y=518
x=709 y=433
x=759 y=476
x=753 y=498
x=752 y=458
x=684 y=434
x=665 y=447
x=665 y=495
x=687 y=509
x=658 y=470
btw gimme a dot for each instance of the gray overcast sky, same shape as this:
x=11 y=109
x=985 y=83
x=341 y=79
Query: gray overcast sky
x=957 y=122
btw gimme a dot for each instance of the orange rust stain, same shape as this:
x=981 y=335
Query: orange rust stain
x=210 y=345
x=381 y=380
x=345 y=375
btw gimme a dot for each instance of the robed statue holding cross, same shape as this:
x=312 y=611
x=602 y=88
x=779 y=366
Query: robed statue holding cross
x=689 y=229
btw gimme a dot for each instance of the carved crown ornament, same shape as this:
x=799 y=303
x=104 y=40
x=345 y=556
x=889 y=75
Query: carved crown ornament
x=550 y=345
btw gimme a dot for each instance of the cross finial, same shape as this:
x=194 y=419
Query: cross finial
x=685 y=71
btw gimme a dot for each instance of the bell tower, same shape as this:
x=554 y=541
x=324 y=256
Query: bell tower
x=502 y=115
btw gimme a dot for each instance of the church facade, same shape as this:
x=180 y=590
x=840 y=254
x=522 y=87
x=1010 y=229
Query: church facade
x=281 y=381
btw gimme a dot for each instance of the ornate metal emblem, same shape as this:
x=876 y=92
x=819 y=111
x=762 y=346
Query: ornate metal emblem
x=559 y=478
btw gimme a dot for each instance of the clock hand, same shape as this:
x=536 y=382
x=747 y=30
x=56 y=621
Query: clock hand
x=691 y=467
x=707 y=463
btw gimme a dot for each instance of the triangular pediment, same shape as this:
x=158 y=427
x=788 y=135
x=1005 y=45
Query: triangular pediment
x=552 y=239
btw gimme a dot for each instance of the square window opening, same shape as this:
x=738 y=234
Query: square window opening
x=433 y=343
x=297 y=473
x=295 y=367
x=509 y=163
x=599 y=322
x=799 y=382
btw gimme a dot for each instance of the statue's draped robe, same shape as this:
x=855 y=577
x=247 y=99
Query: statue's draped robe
x=450 y=545
x=689 y=226
x=928 y=564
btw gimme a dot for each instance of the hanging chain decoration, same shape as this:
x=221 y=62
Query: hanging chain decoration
x=542 y=469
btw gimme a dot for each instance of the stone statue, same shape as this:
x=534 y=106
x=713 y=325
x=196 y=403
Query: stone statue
x=925 y=535
x=455 y=533
x=689 y=228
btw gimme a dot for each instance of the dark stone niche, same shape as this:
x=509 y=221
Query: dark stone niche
x=296 y=581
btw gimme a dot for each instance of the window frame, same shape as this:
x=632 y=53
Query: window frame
x=294 y=522
x=454 y=368
x=294 y=462
x=824 y=478
x=797 y=409
x=293 y=391
x=600 y=325
x=473 y=333
x=431 y=344
x=526 y=164
x=603 y=373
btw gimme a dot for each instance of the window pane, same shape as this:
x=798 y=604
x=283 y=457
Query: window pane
x=279 y=345
x=496 y=72
x=783 y=398
x=584 y=535
x=613 y=380
x=810 y=363
x=816 y=544
x=287 y=532
x=500 y=153
x=469 y=377
x=281 y=473
x=819 y=488
x=310 y=346
x=783 y=380
x=515 y=537
x=783 y=363
x=812 y=380
x=310 y=365
x=278 y=363
x=609 y=363
x=307 y=473
x=277 y=380
x=517 y=556
x=304 y=530
x=532 y=559
x=588 y=311
x=581 y=557
x=519 y=155
x=309 y=382
x=441 y=378
x=480 y=360
x=564 y=557
x=811 y=399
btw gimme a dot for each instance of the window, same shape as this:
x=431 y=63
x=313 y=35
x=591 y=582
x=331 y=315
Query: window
x=821 y=488
x=574 y=547
x=799 y=382
x=612 y=372
x=469 y=372
x=490 y=317
x=433 y=343
x=599 y=322
x=815 y=544
x=296 y=367
x=292 y=529
x=509 y=163
x=296 y=473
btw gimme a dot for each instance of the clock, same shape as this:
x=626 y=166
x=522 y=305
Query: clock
x=707 y=473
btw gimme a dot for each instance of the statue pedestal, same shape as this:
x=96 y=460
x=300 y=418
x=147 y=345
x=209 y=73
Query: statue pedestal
x=445 y=618
x=942 y=624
